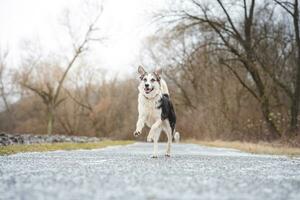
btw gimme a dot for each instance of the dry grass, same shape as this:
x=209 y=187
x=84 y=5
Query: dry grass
x=12 y=149
x=257 y=148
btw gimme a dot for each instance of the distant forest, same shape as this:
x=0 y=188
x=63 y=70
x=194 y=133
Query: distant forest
x=233 y=70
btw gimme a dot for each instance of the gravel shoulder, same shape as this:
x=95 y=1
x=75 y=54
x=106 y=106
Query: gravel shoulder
x=128 y=172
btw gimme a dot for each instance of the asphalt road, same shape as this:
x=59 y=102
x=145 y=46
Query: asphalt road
x=129 y=172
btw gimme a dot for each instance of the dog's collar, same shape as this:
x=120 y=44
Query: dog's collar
x=150 y=98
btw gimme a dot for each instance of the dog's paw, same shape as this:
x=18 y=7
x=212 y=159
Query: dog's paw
x=154 y=156
x=167 y=155
x=149 y=138
x=136 y=133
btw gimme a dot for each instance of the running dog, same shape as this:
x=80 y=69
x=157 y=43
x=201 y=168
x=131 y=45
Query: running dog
x=155 y=109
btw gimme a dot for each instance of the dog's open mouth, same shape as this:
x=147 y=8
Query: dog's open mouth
x=148 y=90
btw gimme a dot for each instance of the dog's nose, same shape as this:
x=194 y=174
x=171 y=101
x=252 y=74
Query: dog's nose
x=146 y=85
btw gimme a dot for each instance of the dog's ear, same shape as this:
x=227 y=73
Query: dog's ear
x=141 y=71
x=158 y=73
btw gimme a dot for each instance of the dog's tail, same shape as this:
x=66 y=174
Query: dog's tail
x=177 y=137
x=164 y=87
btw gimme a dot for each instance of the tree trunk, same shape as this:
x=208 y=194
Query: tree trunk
x=274 y=133
x=50 y=121
x=294 y=115
x=264 y=100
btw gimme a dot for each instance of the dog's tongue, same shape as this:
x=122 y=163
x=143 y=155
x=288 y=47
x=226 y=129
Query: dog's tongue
x=148 y=90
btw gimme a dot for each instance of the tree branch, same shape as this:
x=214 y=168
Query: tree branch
x=241 y=81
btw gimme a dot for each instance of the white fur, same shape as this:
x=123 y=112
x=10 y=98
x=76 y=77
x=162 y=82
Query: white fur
x=177 y=137
x=149 y=115
x=164 y=87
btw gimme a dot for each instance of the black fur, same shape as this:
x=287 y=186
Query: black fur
x=167 y=111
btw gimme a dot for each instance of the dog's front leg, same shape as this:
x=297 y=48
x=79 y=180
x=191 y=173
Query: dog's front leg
x=155 y=137
x=139 y=126
x=153 y=129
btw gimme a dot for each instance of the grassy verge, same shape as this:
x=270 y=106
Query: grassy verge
x=12 y=149
x=257 y=148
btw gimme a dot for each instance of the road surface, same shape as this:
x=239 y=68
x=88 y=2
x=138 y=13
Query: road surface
x=129 y=172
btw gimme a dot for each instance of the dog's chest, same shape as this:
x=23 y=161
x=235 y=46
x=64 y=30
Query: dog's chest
x=149 y=109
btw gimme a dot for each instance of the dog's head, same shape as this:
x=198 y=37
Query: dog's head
x=149 y=82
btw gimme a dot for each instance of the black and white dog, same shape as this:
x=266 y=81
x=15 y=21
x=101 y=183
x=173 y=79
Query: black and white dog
x=155 y=109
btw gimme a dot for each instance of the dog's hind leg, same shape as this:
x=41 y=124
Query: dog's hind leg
x=168 y=132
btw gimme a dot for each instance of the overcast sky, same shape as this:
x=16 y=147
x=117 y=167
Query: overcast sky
x=125 y=23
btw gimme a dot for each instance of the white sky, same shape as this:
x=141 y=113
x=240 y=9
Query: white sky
x=125 y=23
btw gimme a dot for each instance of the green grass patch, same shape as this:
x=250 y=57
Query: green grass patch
x=13 y=149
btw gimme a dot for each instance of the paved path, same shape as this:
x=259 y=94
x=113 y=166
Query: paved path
x=128 y=172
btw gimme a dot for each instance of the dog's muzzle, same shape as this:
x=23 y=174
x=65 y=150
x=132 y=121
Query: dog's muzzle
x=148 y=90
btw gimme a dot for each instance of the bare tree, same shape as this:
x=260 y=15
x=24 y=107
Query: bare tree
x=236 y=39
x=51 y=94
x=83 y=96
x=292 y=9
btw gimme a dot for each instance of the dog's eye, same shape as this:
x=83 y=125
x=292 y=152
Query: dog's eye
x=152 y=80
x=144 y=79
